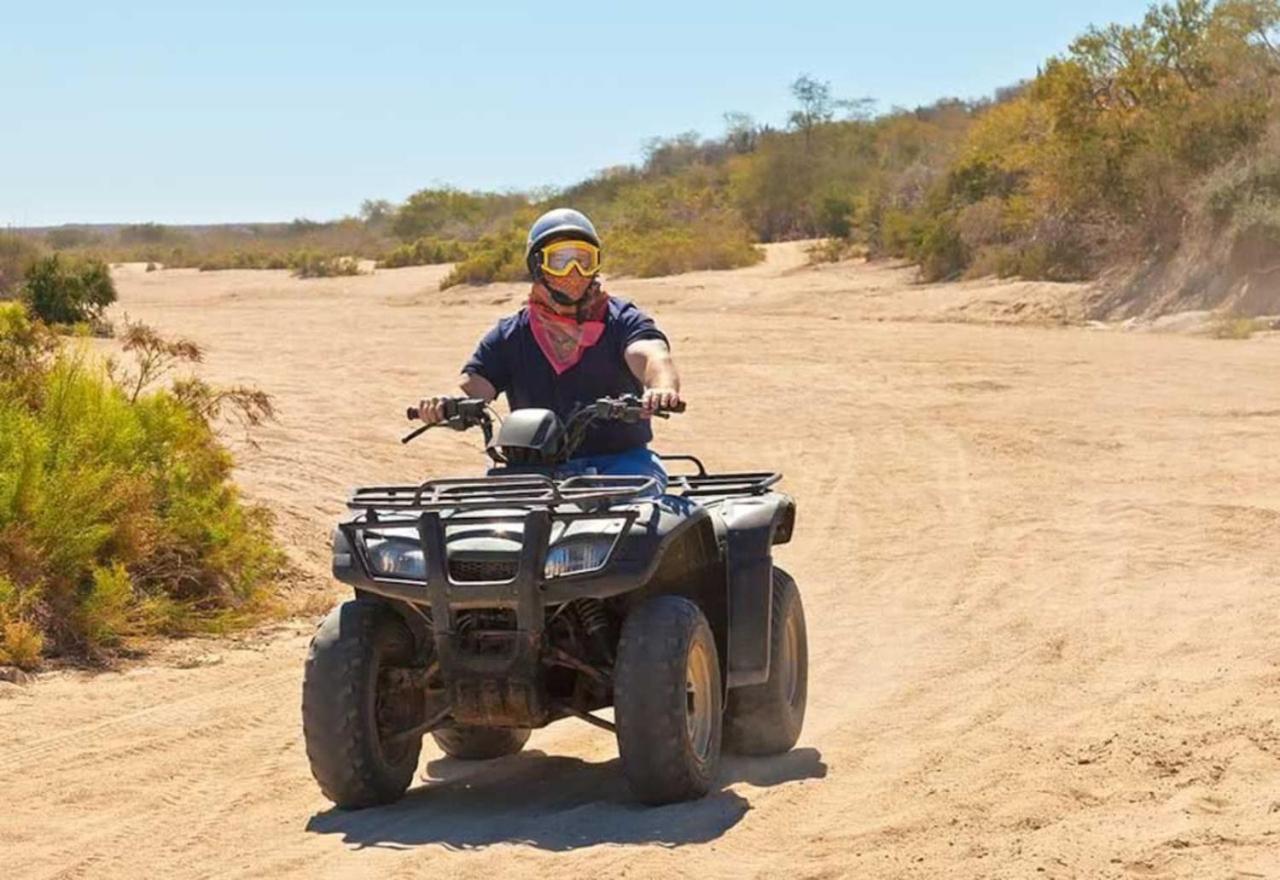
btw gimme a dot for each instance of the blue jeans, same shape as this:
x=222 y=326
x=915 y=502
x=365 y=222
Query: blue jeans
x=638 y=462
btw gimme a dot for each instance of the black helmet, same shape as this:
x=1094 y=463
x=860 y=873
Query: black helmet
x=559 y=223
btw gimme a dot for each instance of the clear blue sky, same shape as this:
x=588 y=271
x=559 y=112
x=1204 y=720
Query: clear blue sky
x=134 y=111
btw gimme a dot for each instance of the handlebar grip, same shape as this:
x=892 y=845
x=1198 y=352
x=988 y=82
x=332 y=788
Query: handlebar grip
x=678 y=408
x=450 y=405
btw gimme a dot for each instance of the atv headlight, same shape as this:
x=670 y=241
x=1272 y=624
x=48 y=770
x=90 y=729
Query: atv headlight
x=575 y=557
x=393 y=558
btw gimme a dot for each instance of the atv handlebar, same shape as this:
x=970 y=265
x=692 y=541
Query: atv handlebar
x=459 y=412
x=628 y=408
x=463 y=412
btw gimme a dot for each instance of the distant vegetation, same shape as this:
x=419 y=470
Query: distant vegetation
x=17 y=254
x=68 y=290
x=117 y=515
x=1138 y=143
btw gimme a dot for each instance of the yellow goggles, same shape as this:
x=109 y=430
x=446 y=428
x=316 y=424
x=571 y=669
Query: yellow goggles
x=560 y=257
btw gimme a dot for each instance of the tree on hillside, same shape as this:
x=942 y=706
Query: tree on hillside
x=376 y=211
x=669 y=155
x=453 y=213
x=740 y=132
x=818 y=106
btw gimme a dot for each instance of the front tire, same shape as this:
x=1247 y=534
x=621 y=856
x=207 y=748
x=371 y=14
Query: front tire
x=766 y=719
x=668 y=701
x=469 y=743
x=349 y=710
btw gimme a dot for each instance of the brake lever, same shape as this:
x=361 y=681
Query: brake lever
x=458 y=415
x=415 y=433
x=413 y=413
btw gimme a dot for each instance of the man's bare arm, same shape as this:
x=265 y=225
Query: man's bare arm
x=475 y=385
x=650 y=361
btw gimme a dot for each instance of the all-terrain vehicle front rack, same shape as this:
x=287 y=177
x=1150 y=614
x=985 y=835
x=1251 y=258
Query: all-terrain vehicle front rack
x=523 y=492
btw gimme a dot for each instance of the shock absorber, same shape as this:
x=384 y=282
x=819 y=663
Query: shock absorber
x=595 y=622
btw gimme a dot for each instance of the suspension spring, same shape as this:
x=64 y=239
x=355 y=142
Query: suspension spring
x=595 y=622
x=592 y=617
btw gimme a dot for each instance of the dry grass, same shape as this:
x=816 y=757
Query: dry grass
x=1232 y=327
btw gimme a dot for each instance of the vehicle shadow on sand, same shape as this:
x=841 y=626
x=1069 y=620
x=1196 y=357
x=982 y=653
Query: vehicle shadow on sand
x=555 y=803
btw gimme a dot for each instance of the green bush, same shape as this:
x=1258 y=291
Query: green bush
x=453 y=213
x=245 y=260
x=721 y=242
x=425 y=252
x=117 y=514
x=834 y=250
x=66 y=290
x=492 y=258
x=313 y=265
x=940 y=251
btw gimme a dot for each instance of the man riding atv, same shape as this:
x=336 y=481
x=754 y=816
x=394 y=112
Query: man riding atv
x=573 y=343
x=575 y=577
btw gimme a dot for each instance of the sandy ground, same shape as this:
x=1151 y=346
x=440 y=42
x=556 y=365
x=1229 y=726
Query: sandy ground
x=1040 y=565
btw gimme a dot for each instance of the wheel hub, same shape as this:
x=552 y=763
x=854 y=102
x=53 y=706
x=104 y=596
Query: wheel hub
x=699 y=701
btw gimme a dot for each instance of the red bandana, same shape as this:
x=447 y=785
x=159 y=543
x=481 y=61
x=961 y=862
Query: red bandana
x=562 y=338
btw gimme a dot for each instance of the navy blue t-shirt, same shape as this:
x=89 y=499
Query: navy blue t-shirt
x=509 y=357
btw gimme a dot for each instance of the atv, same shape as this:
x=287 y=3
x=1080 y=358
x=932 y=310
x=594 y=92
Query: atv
x=485 y=607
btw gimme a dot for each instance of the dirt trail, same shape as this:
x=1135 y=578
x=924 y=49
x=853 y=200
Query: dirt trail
x=1040 y=566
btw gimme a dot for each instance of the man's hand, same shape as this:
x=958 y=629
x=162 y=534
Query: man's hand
x=656 y=399
x=431 y=409
x=650 y=361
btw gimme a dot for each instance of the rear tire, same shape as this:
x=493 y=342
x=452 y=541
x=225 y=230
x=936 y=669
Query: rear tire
x=469 y=743
x=766 y=719
x=340 y=706
x=668 y=701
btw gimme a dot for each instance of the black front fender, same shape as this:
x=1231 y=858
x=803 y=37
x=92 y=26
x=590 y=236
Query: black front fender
x=751 y=527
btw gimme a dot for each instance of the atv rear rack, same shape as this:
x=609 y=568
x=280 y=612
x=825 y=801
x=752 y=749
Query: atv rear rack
x=522 y=492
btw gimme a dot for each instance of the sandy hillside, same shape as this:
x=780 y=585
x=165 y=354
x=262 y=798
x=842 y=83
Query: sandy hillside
x=1041 y=566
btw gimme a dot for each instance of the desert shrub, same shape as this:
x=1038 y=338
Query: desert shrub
x=66 y=237
x=492 y=258
x=646 y=247
x=117 y=514
x=425 y=252
x=453 y=213
x=940 y=250
x=312 y=265
x=1234 y=327
x=245 y=260
x=834 y=250
x=146 y=233
x=712 y=243
x=17 y=254
x=67 y=290
x=21 y=643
